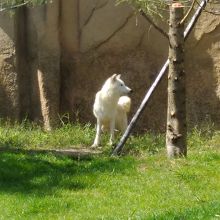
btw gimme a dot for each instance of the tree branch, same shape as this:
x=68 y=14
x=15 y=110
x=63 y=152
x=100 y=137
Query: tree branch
x=188 y=12
x=14 y=6
x=153 y=24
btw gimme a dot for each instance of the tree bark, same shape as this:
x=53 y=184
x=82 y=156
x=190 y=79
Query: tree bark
x=176 y=110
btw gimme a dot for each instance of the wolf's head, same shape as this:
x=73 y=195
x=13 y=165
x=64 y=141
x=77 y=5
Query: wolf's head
x=117 y=86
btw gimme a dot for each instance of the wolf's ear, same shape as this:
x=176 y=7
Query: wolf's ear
x=118 y=76
x=113 y=77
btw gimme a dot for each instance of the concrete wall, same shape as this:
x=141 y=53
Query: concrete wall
x=90 y=40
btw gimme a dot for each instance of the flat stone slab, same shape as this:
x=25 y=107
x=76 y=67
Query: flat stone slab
x=74 y=152
x=77 y=152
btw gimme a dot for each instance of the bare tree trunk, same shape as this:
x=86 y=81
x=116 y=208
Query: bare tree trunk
x=176 y=110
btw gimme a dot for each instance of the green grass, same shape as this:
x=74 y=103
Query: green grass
x=143 y=184
x=29 y=136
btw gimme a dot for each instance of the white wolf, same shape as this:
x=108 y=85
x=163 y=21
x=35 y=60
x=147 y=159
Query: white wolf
x=111 y=107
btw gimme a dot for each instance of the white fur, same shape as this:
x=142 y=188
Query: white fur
x=111 y=107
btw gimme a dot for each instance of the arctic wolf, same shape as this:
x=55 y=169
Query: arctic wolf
x=111 y=107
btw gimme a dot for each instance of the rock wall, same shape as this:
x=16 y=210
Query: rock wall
x=203 y=68
x=9 y=100
x=80 y=43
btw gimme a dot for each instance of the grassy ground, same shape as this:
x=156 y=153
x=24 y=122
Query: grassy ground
x=141 y=185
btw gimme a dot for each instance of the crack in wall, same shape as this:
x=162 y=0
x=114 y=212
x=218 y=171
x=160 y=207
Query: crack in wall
x=93 y=11
x=113 y=34
x=141 y=39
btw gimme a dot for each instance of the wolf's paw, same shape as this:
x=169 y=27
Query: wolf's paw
x=94 y=146
x=110 y=143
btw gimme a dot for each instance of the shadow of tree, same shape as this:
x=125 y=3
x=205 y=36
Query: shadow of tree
x=202 y=78
x=44 y=174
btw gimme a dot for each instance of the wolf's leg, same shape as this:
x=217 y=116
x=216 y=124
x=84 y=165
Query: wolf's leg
x=98 y=134
x=124 y=123
x=112 y=129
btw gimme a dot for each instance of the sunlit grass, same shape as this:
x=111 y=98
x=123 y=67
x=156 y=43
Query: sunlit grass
x=143 y=184
x=27 y=135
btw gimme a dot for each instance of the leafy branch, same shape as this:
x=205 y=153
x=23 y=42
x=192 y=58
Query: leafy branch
x=153 y=24
x=13 y=4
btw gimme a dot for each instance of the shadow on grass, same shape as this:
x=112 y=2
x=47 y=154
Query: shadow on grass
x=44 y=174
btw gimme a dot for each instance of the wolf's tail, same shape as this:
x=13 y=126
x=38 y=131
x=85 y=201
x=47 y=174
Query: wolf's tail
x=124 y=103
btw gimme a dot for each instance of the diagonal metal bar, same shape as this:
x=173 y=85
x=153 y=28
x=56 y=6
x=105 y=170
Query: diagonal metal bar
x=117 y=150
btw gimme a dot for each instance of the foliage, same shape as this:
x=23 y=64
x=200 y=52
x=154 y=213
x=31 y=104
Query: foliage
x=11 y=4
x=154 y=8
x=142 y=185
x=150 y=7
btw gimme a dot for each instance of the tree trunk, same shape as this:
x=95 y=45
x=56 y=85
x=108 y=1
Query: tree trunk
x=176 y=110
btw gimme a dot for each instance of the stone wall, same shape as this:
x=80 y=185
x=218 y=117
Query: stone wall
x=80 y=43
x=9 y=100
